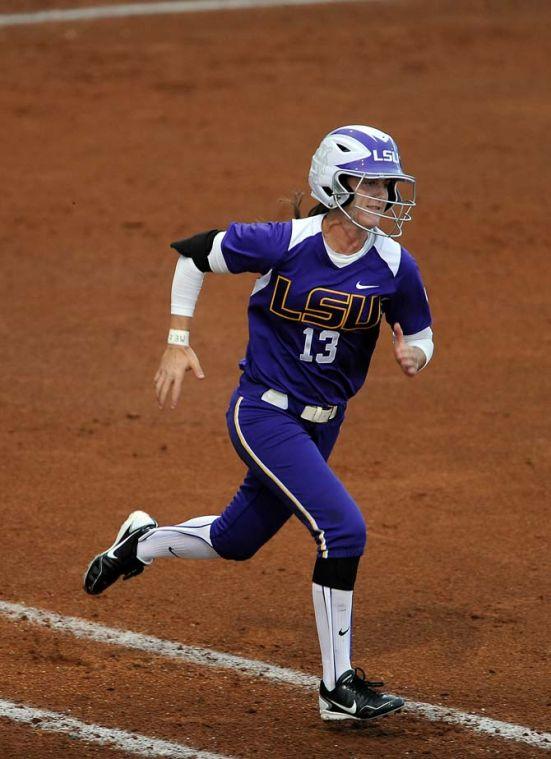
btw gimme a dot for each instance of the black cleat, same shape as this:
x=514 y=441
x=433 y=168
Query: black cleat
x=121 y=558
x=354 y=698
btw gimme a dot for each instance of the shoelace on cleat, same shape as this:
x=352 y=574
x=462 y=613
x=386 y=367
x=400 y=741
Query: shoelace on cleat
x=369 y=683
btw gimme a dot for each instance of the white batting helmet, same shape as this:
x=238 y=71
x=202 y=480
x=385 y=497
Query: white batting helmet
x=365 y=152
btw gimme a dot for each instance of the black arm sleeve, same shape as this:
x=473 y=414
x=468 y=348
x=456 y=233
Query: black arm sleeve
x=197 y=247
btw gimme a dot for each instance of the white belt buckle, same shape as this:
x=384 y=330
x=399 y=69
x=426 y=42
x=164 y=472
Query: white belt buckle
x=318 y=414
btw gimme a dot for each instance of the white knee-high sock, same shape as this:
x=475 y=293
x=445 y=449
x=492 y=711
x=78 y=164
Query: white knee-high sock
x=189 y=540
x=333 y=609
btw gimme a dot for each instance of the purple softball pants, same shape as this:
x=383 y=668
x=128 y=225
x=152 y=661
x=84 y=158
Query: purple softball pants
x=287 y=474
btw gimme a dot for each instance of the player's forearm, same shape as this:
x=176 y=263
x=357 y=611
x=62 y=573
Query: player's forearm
x=180 y=322
x=186 y=286
x=188 y=279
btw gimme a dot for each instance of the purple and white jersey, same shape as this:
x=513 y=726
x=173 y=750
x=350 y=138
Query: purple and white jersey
x=313 y=325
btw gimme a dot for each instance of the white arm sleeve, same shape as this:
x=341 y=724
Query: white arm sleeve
x=188 y=279
x=422 y=340
x=186 y=287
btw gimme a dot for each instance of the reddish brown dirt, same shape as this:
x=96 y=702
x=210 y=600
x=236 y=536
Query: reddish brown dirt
x=120 y=136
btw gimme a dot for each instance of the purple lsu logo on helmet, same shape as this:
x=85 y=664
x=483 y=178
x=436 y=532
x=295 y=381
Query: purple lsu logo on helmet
x=379 y=155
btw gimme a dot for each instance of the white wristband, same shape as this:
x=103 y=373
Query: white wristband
x=178 y=337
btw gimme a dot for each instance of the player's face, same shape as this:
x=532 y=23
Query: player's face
x=370 y=199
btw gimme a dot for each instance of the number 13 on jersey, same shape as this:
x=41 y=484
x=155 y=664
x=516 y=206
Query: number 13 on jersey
x=329 y=340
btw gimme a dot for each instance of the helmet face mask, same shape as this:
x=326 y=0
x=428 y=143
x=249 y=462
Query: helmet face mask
x=397 y=210
x=366 y=153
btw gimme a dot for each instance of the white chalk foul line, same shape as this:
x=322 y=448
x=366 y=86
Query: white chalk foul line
x=132 y=743
x=81 y=628
x=149 y=9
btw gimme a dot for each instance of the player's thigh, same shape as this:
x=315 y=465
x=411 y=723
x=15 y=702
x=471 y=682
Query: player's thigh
x=283 y=455
x=252 y=517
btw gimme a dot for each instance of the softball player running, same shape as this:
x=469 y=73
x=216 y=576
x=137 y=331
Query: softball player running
x=324 y=284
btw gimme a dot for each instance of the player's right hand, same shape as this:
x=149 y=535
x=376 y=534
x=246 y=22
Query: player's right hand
x=176 y=361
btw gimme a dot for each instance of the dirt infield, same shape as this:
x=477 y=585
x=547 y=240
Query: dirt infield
x=122 y=135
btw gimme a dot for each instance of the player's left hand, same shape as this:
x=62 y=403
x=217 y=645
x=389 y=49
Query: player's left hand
x=407 y=356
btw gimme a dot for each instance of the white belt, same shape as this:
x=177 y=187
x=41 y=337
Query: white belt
x=316 y=414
